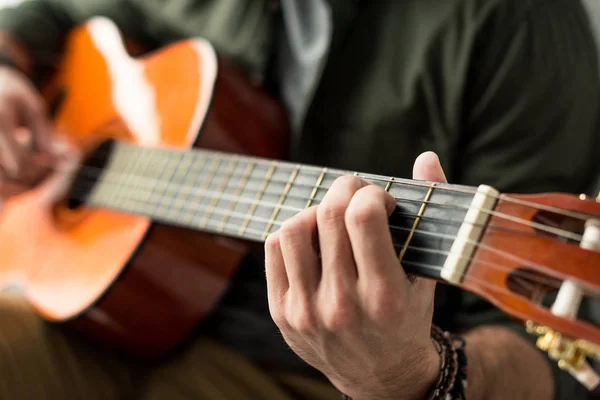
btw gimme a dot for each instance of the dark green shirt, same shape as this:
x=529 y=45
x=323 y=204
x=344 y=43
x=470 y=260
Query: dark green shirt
x=505 y=91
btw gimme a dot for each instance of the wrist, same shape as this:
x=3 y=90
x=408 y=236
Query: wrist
x=432 y=377
x=414 y=381
x=439 y=372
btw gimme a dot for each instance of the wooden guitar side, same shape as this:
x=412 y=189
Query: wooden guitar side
x=139 y=286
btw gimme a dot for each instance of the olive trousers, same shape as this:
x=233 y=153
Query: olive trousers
x=41 y=361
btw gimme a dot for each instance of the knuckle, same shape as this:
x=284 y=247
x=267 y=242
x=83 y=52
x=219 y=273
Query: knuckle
x=302 y=319
x=385 y=304
x=350 y=181
x=339 y=317
x=272 y=243
x=339 y=312
x=277 y=314
x=371 y=190
x=290 y=231
x=288 y=227
x=302 y=222
x=330 y=212
x=363 y=212
x=366 y=205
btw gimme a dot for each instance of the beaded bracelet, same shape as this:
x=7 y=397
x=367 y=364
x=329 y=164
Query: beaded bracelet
x=452 y=381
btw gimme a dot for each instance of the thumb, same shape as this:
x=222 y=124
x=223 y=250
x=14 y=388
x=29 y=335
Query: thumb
x=427 y=168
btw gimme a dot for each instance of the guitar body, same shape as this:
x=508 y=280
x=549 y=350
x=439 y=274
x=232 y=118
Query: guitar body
x=137 y=285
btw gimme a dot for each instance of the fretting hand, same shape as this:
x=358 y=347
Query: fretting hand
x=351 y=312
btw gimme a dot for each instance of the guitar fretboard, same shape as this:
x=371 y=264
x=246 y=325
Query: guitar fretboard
x=250 y=198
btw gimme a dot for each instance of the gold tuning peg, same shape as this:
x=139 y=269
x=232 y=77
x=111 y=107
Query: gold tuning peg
x=570 y=354
x=598 y=197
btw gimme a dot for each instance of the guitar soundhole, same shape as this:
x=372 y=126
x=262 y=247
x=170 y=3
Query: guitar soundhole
x=542 y=290
x=88 y=175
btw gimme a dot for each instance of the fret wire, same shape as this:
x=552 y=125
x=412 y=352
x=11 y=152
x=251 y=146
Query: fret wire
x=153 y=162
x=149 y=190
x=219 y=190
x=173 y=177
x=389 y=184
x=180 y=178
x=119 y=163
x=216 y=162
x=316 y=188
x=286 y=190
x=131 y=181
x=416 y=222
x=169 y=170
x=258 y=197
x=191 y=178
x=237 y=193
x=172 y=164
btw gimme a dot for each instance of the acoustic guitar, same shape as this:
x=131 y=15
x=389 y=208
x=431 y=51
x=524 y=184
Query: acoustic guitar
x=181 y=179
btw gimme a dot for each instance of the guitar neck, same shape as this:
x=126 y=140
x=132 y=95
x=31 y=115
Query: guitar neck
x=249 y=198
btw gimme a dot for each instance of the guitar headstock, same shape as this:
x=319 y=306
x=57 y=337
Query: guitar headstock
x=538 y=258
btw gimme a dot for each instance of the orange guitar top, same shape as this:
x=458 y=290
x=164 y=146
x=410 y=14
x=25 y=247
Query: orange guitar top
x=160 y=101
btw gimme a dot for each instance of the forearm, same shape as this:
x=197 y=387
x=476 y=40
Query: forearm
x=16 y=52
x=39 y=27
x=503 y=365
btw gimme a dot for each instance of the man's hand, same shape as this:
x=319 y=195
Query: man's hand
x=343 y=302
x=26 y=151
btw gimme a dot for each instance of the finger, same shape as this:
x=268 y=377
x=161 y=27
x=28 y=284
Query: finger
x=299 y=246
x=337 y=261
x=34 y=114
x=427 y=167
x=277 y=281
x=369 y=233
x=9 y=189
x=10 y=152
